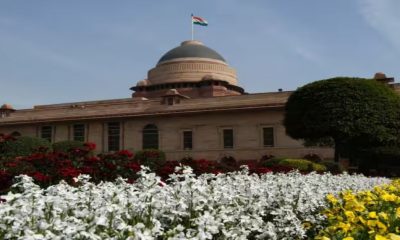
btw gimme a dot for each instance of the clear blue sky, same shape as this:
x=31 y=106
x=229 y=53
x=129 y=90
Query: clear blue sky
x=66 y=51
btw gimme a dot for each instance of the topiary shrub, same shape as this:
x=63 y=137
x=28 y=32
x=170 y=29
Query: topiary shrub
x=66 y=146
x=152 y=158
x=24 y=146
x=303 y=165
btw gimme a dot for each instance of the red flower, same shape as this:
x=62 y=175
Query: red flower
x=40 y=177
x=69 y=172
x=125 y=153
x=262 y=170
x=87 y=170
x=11 y=164
x=133 y=166
x=90 y=146
x=131 y=180
x=92 y=160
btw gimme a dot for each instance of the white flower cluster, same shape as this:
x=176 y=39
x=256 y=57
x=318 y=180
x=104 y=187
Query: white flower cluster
x=225 y=206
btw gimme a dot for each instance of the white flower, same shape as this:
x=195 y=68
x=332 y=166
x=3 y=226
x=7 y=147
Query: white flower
x=232 y=206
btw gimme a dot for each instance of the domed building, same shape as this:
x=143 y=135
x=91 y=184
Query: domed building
x=190 y=104
x=194 y=70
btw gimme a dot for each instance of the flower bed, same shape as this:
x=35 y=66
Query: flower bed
x=235 y=205
x=372 y=214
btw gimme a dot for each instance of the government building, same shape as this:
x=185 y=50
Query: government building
x=190 y=105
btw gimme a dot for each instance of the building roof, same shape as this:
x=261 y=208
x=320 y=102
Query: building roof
x=6 y=107
x=191 y=49
x=131 y=107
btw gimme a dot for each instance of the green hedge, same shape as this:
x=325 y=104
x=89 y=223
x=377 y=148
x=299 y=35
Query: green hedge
x=303 y=165
x=24 y=146
x=66 y=146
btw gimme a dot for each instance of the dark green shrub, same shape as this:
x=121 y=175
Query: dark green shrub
x=270 y=162
x=355 y=113
x=152 y=158
x=188 y=161
x=228 y=164
x=24 y=146
x=313 y=157
x=66 y=146
x=303 y=165
x=332 y=167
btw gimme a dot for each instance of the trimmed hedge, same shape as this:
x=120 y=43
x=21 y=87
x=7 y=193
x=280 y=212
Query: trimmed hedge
x=303 y=165
x=24 y=146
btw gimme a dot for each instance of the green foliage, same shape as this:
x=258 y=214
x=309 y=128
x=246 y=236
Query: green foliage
x=270 y=162
x=152 y=158
x=24 y=146
x=320 y=142
x=353 y=112
x=66 y=146
x=313 y=157
x=302 y=165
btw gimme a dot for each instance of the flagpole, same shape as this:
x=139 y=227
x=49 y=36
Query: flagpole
x=191 y=23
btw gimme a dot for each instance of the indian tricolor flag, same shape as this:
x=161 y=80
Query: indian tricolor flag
x=199 y=21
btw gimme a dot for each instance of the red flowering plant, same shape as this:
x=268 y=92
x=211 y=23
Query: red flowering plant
x=16 y=166
x=78 y=154
x=152 y=158
x=41 y=178
x=167 y=169
x=116 y=164
x=205 y=166
x=5 y=181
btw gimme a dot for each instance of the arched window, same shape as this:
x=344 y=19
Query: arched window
x=16 y=134
x=150 y=137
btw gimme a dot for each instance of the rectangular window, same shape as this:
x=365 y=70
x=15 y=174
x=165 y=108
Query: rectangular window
x=46 y=132
x=79 y=132
x=187 y=140
x=228 y=138
x=113 y=136
x=268 y=136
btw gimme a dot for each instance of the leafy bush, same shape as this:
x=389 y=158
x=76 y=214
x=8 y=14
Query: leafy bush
x=66 y=146
x=303 y=165
x=228 y=164
x=24 y=146
x=152 y=158
x=270 y=162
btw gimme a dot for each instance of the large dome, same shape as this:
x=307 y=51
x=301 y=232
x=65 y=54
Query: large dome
x=192 y=69
x=191 y=49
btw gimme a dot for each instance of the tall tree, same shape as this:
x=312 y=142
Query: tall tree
x=353 y=112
